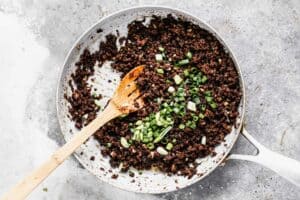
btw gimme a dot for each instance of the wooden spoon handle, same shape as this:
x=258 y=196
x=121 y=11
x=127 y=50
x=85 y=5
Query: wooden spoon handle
x=24 y=188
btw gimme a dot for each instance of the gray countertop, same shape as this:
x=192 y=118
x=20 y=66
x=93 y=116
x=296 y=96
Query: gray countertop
x=36 y=36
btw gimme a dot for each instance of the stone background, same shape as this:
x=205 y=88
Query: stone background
x=35 y=37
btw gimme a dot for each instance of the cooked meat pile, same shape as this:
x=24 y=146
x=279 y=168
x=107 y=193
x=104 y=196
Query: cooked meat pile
x=191 y=91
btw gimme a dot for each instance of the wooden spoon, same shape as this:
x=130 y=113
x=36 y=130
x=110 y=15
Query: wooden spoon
x=126 y=99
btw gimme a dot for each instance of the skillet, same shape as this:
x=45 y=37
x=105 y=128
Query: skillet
x=153 y=181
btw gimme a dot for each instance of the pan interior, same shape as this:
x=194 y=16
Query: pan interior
x=148 y=181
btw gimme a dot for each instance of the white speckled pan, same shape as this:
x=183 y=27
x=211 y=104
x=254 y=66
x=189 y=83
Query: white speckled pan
x=148 y=181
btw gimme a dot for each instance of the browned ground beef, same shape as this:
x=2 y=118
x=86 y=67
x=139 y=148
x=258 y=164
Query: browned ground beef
x=177 y=37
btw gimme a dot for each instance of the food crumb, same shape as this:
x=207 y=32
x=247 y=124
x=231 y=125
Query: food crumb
x=114 y=176
x=131 y=174
x=99 y=30
x=45 y=189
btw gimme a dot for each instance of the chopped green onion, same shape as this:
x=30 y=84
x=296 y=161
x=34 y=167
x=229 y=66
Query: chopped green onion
x=94 y=94
x=203 y=140
x=124 y=142
x=97 y=102
x=122 y=116
x=150 y=146
x=169 y=146
x=177 y=79
x=189 y=55
x=160 y=71
x=108 y=144
x=191 y=106
x=183 y=62
x=204 y=79
x=186 y=72
x=171 y=89
x=85 y=116
x=207 y=93
x=176 y=110
x=174 y=140
x=139 y=122
x=162 y=134
x=161 y=151
x=203 y=107
x=146 y=140
x=161 y=49
x=197 y=100
x=213 y=105
x=208 y=99
x=191 y=124
x=181 y=126
x=158 y=57
x=195 y=118
x=201 y=116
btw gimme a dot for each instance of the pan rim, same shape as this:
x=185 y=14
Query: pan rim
x=183 y=12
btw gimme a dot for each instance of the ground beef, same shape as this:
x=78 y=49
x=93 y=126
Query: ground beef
x=177 y=37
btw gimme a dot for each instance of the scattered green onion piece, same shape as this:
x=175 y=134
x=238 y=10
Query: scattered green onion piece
x=169 y=146
x=122 y=116
x=186 y=72
x=191 y=106
x=213 y=105
x=160 y=71
x=124 y=142
x=195 y=118
x=208 y=99
x=162 y=134
x=108 y=144
x=161 y=151
x=85 y=116
x=183 y=62
x=177 y=79
x=171 y=89
x=193 y=125
x=203 y=107
x=197 y=100
x=204 y=79
x=139 y=122
x=150 y=146
x=176 y=110
x=158 y=57
x=161 y=49
x=174 y=140
x=201 y=116
x=181 y=126
x=97 y=102
x=94 y=94
x=207 y=93
x=203 y=140
x=189 y=55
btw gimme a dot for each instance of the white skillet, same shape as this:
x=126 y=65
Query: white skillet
x=150 y=181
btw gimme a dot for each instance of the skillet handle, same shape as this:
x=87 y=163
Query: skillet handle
x=286 y=167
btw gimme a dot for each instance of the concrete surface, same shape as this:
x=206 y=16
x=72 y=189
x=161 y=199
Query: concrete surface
x=35 y=36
